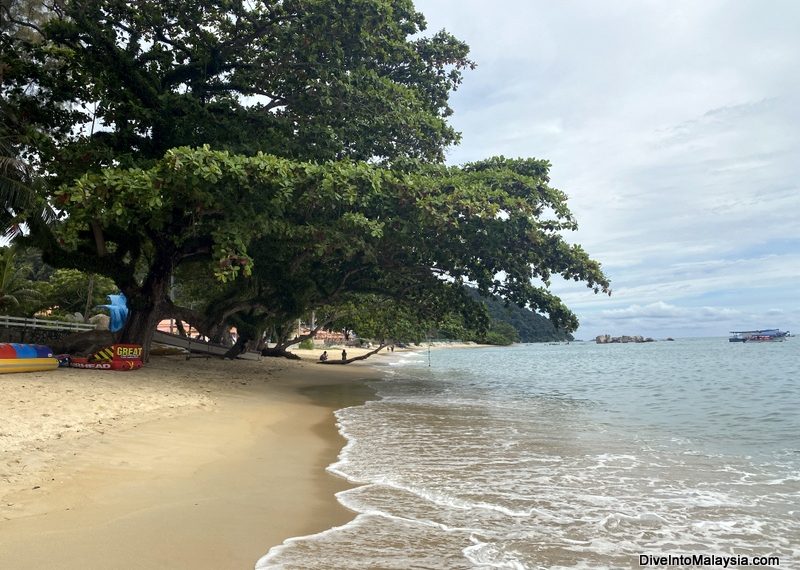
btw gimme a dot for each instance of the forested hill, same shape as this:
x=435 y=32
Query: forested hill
x=531 y=326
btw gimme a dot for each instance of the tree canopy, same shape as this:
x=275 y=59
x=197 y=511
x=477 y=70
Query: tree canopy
x=328 y=228
x=15 y=288
x=289 y=150
x=116 y=83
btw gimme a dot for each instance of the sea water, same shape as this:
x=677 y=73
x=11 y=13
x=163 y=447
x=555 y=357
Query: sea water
x=569 y=456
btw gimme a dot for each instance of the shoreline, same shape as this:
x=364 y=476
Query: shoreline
x=183 y=464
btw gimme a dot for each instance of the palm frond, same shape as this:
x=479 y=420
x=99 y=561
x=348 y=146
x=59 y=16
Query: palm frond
x=9 y=300
x=14 y=194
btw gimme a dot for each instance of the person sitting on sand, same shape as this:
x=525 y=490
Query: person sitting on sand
x=344 y=354
x=324 y=356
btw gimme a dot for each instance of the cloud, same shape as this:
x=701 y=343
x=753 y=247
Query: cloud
x=658 y=310
x=662 y=310
x=672 y=128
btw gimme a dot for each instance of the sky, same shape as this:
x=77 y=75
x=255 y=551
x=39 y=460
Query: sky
x=673 y=127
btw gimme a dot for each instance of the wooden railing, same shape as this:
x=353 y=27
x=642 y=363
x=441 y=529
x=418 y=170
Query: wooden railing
x=46 y=324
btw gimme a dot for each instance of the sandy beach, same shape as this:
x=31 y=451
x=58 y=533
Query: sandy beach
x=197 y=463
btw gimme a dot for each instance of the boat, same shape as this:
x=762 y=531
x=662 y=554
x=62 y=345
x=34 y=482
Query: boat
x=764 y=335
x=16 y=357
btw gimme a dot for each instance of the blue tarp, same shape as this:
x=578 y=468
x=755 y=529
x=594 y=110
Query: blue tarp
x=119 y=311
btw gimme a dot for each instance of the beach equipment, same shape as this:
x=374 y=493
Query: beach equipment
x=16 y=357
x=115 y=357
x=118 y=309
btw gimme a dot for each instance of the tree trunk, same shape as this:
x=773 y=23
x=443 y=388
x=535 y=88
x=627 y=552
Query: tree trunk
x=349 y=360
x=239 y=347
x=279 y=352
x=180 y=328
x=262 y=342
x=89 y=299
x=284 y=344
x=140 y=327
x=147 y=305
x=215 y=333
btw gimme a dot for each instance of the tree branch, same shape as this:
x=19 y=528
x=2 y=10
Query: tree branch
x=349 y=360
x=13 y=20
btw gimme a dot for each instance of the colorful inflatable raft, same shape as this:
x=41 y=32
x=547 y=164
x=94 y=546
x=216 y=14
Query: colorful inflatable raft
x=114 y=357
x=25 y=358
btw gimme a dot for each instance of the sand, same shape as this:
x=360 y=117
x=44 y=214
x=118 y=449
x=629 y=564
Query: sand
x=197 y=463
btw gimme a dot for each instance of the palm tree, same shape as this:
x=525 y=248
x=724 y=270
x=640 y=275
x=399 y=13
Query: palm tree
x=14 y=194
x=17 y=186
x=18 y=192
x=15 y=288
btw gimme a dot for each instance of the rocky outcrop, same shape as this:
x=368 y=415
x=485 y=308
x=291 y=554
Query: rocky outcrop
x=100 y=322
x=608 y=339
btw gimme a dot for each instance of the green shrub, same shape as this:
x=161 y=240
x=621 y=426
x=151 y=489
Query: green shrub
x=307 y=344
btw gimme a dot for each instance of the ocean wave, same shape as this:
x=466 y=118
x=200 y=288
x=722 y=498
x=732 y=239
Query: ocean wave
x=534 y=463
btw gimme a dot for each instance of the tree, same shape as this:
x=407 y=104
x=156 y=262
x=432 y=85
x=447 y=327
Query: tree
x=301 y=224
x=499 y=333
x=17 y=181
x=307 y=79
x=193 y=203
x=15 y=196
x=71 y=291
x=15 y=289
x=434 y=226
x=470 y=225
x=18 y=185
x=329 y=229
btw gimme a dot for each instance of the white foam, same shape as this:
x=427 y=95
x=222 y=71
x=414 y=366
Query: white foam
x=471 y=469
x=267 y=561
x=491 y=555
x=646 y=520
x=439 y=499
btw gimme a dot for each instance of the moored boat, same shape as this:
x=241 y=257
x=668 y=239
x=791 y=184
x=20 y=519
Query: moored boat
x=763 y=335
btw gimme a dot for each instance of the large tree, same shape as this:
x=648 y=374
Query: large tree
x=136 y=225
x=318 y=231
x=288 y=95
x=110 y=83
x=405 y=235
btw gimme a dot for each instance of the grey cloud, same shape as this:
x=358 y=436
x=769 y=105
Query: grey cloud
x=671 y=126
x=662 y=310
